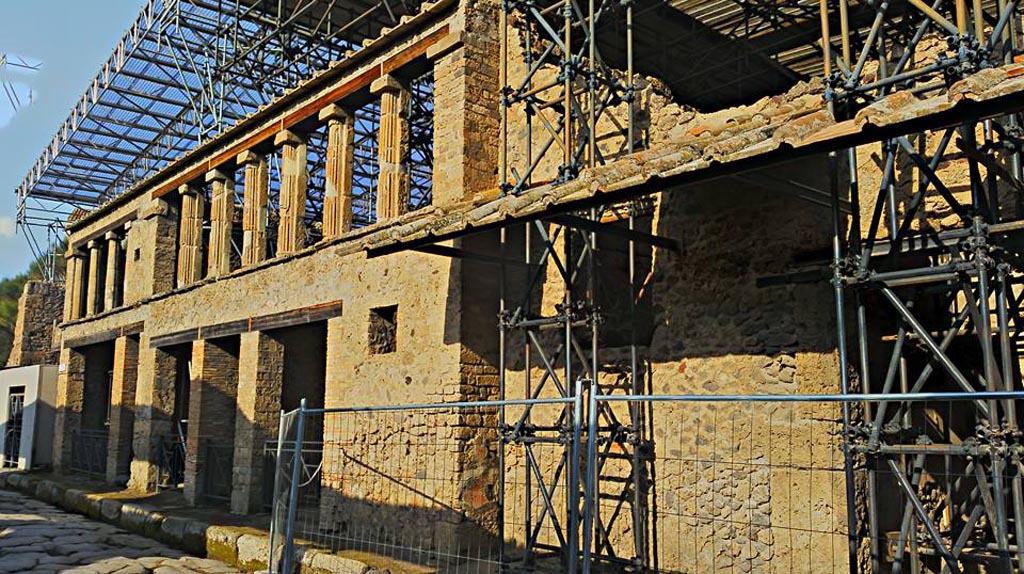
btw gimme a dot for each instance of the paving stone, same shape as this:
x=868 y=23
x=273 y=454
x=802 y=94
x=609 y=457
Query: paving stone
x=19 y=563
x=37 y=538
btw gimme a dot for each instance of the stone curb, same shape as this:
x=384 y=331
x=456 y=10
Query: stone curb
x=243 y=548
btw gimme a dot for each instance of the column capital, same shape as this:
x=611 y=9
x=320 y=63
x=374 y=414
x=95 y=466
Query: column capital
x=386 y=83
x=446 y=45
x=74 y=253
x=189 y=189
x=334 y=113
x=216 y=175
x=288 y=137
x=155 y=208
x=111 y=236
x=248 y=156
x=94 y=244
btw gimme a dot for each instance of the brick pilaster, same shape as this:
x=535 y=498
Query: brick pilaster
x=392 y=148
x=337 y=218
x=260 y=372
x=154 y=408
x=70 y=396
x=291 y=234
x=254 y=211
x=122 y=408
x=211 y=413
x=466 y=95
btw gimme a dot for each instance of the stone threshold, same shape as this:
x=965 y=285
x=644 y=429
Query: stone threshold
x=243 y=547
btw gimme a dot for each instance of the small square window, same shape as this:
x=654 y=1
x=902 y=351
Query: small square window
x=383 y=329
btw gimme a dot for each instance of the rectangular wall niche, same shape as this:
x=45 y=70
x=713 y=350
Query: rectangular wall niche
x=383 y=329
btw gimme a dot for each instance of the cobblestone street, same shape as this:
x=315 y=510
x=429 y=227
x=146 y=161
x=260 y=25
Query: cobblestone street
x=36 y=538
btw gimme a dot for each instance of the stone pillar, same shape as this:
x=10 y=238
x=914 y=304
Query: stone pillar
x=254 y=211
x=291 y=234
x=337 y=218
x=112 y=281
x=154 y=409
x=70 y=396
x=392 y=148
x=211 y=414
x=466 y=95
x=260 y=372
x=122 y=408
x=155 y=237
x=190 y=243
x=93 y=293
x=73 y=281
x=222 y=212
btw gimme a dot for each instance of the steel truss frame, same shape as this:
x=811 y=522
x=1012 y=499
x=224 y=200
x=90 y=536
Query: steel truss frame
x=185 y=71
x=937 y=285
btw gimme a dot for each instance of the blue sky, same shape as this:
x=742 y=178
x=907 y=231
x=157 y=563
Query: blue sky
x=71 y=39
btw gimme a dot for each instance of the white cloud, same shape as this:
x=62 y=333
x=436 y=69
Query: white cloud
x=7 y=226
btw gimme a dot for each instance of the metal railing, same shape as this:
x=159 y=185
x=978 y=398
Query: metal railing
x=171 y=467
x=89 y=451
x=726 y=483
x=218 y=462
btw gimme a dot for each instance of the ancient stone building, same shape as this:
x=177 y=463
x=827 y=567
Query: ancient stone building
x=472 y=205
x=40 y=309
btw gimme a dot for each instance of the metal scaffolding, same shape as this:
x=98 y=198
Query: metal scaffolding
x=928 y=305
x=943 y=293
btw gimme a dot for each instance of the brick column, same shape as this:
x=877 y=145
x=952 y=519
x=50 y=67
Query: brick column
x=70 y=395
x=93 y=293
x=392 y=147
x=337 y=218
x=154 y=407
x=112 y=281
x=466 y=95
x=291 y=234
x=190 y=242
x=338 y=364
x=73 y=276
x=122 y=408
x=254 y=211
x=260 y=371
x=211 y=411
x=222 y=211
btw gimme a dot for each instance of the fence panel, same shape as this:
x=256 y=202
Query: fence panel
x=427 y=488
x=730 y=484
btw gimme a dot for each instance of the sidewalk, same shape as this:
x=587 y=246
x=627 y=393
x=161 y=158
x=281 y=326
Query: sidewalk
x=239 y=540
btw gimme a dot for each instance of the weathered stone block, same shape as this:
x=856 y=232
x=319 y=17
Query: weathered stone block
x=222 y=543
x=252 y=552
x=317 y=562
x=141 y=520
x=110 y=510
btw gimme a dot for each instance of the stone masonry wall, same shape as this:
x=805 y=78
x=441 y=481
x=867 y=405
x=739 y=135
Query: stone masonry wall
x=751 y=488
x=40 y=308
